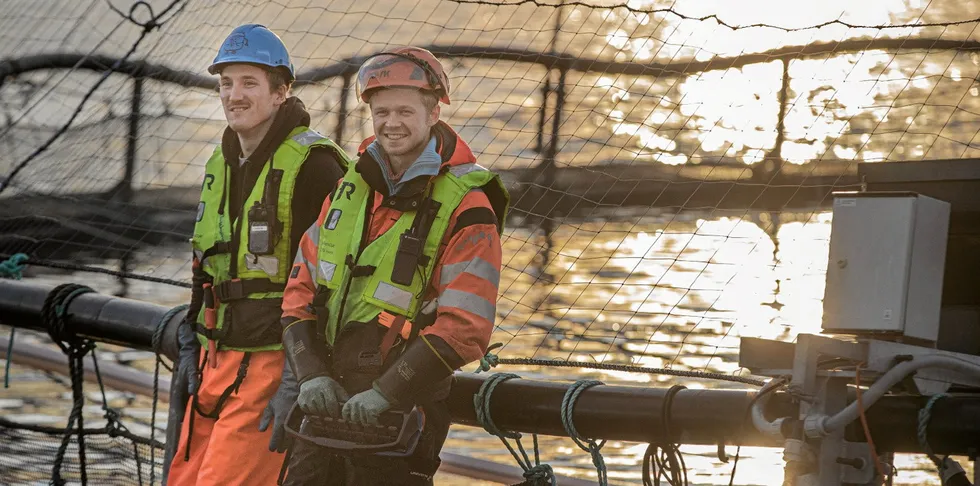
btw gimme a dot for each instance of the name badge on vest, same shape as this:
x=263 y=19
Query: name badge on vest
x=265 y=263
x=333 y=218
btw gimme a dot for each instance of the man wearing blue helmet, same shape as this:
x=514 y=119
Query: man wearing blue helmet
x=263 y=187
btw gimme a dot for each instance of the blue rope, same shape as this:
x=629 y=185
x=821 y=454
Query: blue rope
x=489 y=360
x=925 y=414
x=588 y=445
x=12 y=267
x=61 y=309
x=534 y=473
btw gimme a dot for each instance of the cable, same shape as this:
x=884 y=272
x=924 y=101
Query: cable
x=114 y=273
x=758 y=402
x=864 y=422
x=895 y=375
x=630 y=8
x=491 y=360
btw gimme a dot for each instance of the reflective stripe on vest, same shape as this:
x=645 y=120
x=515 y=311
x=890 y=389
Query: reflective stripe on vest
x=213 y=227
x=340 y=238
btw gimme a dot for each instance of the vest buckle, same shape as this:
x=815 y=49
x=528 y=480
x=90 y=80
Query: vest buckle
x=230 y=290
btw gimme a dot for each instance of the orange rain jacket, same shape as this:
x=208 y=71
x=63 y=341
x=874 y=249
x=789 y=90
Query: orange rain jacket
x=458 y=335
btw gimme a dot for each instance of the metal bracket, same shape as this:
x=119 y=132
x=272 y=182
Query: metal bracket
x=857 y=466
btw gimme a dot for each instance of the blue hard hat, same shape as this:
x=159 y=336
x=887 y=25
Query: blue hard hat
x=253 y=44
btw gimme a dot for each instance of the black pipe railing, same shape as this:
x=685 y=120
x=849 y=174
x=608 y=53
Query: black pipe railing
x=703 y=416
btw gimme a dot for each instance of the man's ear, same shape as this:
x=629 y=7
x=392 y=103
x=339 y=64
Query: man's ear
x=281 y=94
x=434 y=115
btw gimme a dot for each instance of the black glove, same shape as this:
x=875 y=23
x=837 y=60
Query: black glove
x=185 y=372
x=185 y=377
x=278 y=409
x=183 y=384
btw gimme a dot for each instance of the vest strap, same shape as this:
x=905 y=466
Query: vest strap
x=219 y=248
x=232 y=388
x=236 y=288
x=362 y=271
x=320 y=310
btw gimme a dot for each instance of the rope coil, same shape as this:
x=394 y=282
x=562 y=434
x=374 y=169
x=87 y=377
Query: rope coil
x=54 y=314
x=55 y=317
x=588 y=445
x=535 y=473
x=665 y=460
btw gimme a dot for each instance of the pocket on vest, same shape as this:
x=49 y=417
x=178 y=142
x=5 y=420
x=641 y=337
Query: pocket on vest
x=357 y=356
x=253 y=323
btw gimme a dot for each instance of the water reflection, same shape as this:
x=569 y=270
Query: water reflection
x=671 y=290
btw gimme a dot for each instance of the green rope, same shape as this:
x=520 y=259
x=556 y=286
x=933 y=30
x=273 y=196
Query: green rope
x=925 y=414
x=534 y=473
x=588 y=445
x=12 y=267
x=489 y=360
x=61 y=308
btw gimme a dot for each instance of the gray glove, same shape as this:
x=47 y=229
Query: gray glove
x=278 y=409
x=185 y=373
x=365 y=407
x=322 y=396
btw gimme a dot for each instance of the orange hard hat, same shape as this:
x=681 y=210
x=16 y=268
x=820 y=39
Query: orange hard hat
x=411 y=67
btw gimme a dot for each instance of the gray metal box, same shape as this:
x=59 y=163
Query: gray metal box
x=885 y=269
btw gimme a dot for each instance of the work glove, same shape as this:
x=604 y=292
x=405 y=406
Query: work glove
x=365 y=407
x=183 y=384
x=321 y=396
x=278 y=409
x=185 y=373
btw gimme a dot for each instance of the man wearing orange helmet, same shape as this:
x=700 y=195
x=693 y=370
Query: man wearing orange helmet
x=395 y=287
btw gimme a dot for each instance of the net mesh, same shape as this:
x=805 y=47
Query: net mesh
x=671 y=168
x=25 y=457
